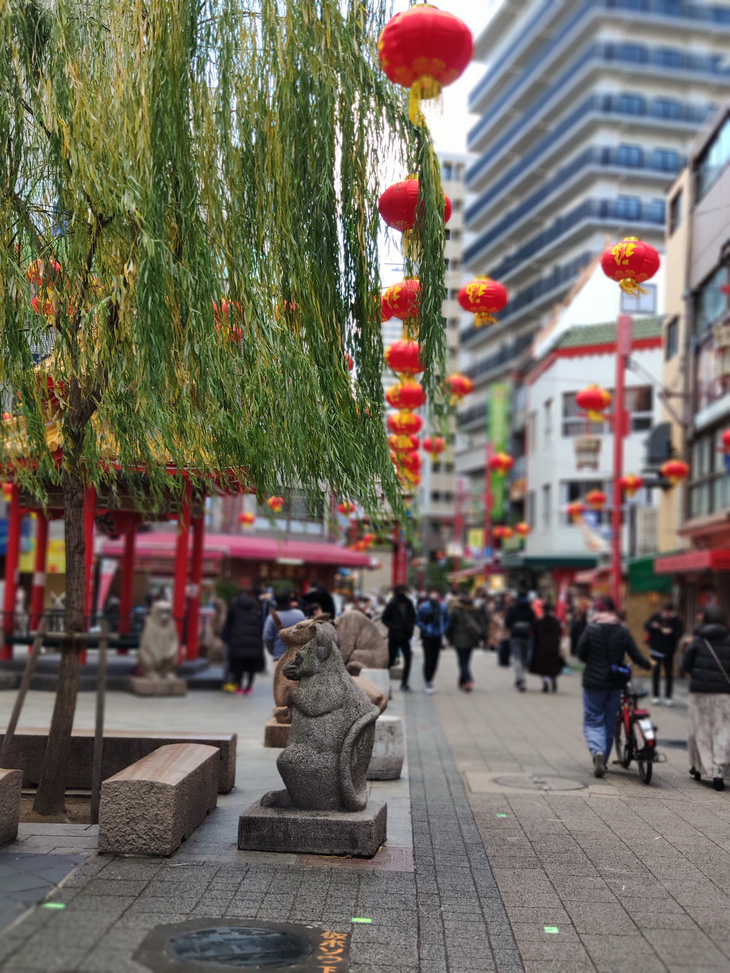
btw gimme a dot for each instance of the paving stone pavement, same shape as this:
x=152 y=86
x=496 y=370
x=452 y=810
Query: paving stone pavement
x=629 y=875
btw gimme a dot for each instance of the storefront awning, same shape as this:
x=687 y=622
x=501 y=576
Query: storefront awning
x=693 y=562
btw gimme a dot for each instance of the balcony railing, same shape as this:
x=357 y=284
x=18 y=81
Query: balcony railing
x=500 y=359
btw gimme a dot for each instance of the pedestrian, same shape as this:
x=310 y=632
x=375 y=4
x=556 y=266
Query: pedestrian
x=244 y=641
x=466 y=628
x=578 y=623
x=319 y=595
x=520 y=621
x=603 y=647
x=501 y=632
x=664 y=629
x=282 y=615
x=708 y=663
x=546 y=660
x=432 y=619
x=399 y=618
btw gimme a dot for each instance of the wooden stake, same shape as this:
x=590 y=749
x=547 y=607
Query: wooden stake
x=22 y=692
x=99 y=726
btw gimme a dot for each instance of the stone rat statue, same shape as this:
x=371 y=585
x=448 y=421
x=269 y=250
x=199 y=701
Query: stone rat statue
x=333 y=728
x=293 y=638
x=158 y=647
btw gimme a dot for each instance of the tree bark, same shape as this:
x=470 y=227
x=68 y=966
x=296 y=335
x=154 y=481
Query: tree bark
x=50 y=798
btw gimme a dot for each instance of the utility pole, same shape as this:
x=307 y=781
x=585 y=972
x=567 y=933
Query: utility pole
x=459 y=498
x=624 y=332
x=488 y=506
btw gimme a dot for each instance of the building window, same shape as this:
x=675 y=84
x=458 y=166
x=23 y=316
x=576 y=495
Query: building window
x=456 y=205
x=710 y=302
x=530 y=508
x=632 y=52
x=447 y=171
x=640 y=303
x=546 y=504
x=447 y=234
x=639 y=403
x=574 y=421
x=666 y=108
x=628 y=207
x=713 y=160
x=665 y=159
x=453 y=294
x=630 y=155
x=640 y=406
x=631 y=104
x=709 y=488
x=572 y=490
x=548 y=420
x=532 y=431
x=675 y=211
x=671 y=339
x=668 y=57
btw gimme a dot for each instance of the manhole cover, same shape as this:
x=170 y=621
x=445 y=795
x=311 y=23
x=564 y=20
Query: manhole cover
x=210 y=945
x=539 y=782
x=673 y=744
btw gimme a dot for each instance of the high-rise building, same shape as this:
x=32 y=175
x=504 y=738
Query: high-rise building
x=587 y=112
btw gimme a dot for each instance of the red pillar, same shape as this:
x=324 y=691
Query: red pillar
x=624 y=328
x=181 y=564
x=196 y=577
x=11 y=570
x=38 y=591
x=127 y=582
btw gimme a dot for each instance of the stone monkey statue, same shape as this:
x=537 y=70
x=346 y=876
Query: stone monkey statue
x=158 y=647
x=333 y=728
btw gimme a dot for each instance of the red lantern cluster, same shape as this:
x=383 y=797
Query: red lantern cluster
x=596 y=499
x=434 y=445
x=675 y=470
x=459 y=385
x=399 y=205
x=246 y=519
x=631 y=484
x=276 y=504
x=594 y=400
x=630 y=263
x=502 y=533
x=501 y=463
x=484 y=298
x=404 y=358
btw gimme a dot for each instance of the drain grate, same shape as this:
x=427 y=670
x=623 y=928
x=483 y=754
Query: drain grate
x=539 y=782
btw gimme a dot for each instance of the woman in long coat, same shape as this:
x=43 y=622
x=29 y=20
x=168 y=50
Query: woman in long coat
x=243 y=636
x=546 y=660
x=708 y=663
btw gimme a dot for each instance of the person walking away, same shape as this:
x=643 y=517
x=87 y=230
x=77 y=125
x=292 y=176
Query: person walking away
x=665 y=629
x=604 y=644
x=546 y=659
x=708 y=663
x=465 y=630
x=399 y=618
x=432 y=619
x=520 y=621
x=319 y=595
x=245 y=644
x=282 y=615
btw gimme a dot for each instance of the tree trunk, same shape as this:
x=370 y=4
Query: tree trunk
x=50 y=798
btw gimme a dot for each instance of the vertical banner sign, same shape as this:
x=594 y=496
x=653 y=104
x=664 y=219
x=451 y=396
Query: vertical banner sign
x=497 y=434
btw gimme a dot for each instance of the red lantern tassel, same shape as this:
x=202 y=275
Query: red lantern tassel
x=629 y=286
x=483 y=318
x=422 y=89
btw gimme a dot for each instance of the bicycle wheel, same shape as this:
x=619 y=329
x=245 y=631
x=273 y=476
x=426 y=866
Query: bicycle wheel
x=624 y=745
x=646 y=768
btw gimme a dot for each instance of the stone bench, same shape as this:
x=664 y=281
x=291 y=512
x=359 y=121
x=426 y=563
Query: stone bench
x=121 y=748
x=11 y=782
x=152 y=806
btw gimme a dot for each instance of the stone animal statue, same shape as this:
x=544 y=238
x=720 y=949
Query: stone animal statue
x=332 y=733
x=212 y=646
x=293 y=638
x=158 y=647
x=360 y=642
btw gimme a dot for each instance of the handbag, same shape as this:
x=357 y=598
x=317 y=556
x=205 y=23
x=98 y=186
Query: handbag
x=720 y=666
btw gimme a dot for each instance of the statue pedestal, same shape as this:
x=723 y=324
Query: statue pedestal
x=276 y=734
x=396 y=672
x=142 y=686
x=389 y=749
x=380 y=678
x=360 y=833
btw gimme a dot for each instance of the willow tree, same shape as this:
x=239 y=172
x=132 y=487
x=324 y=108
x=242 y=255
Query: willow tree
x=160 y=156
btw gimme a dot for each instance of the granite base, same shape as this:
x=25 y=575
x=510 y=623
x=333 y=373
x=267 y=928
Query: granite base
x=359 y=834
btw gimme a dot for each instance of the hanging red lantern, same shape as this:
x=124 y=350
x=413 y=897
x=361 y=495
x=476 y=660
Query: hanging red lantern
x=502 y=533
x=596 y=499
x=631 y=484
x=385 y=313
x=403 y=300
x=424 y=49
x=368 y=539
x=399 y=205
x=459 y=385
x=575 y=510
x=246 y=519
x=434 y=445
x=404 y=357
x=404 y=422
x=630 y=263
x=594 y=400
x=408 y=394
x=675 y=470
x=7 y=489
x=276 y=504
x=346 y=508
x=483 y=297
x=501 y=463
x=410 y=461
x=523 y=528
x=726 y=441
x=350 y=363
x=403 y=443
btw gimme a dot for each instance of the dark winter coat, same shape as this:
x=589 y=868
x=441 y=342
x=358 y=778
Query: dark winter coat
x=243 y=631
x=577 y=627
x=399 y=617
x=318 y=595
x=546 y=660
x=700 y=664
x=662 y=644
x=606 y=643
x=467 y=625
x=519 y=616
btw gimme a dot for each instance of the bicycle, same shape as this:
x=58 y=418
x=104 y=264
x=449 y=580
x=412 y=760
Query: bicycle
x=636 y=735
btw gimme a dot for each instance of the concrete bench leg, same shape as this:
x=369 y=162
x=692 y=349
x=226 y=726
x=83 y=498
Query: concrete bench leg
x=11 y=782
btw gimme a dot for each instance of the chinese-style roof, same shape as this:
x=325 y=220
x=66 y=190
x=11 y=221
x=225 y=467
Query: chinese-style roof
x=589 y=335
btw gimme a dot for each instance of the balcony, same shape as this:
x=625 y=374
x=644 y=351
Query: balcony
x=500 y=360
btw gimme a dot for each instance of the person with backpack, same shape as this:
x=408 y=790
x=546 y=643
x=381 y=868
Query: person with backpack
x=520 y=623
x=708 y=663
x=466 y=628
x=603 y=647
x=399 y=618
x=245 y=648
x=432 y=619
x=282 y=615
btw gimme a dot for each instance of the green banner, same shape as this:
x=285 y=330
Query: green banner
x=498 y=434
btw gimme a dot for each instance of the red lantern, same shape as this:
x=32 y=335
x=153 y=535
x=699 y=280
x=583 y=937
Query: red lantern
x=403 y=300
x=350 y=363
x=409 y=394
x=596 y=499
x=404 y=422
x=404 y=357
x=502 y=533
x=675 y=470
x=501 y=463
x=276 y=504
x=726 y=441
x=385 y=313
x=403 y=443
x=483 y=297
x=459 y=386
x=368 y=539
x=575 y=510
x=246 y=519
x=630 y=263
x=594 y=400
x=434 y=445
x=631 y=484
x=523 y=528
x=410 y=461
x=346 y=508
x=7 y=491
x=399 y=205
x=424 y=49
